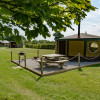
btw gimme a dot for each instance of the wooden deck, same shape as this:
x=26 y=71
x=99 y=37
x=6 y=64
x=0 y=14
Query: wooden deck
x=52 y=68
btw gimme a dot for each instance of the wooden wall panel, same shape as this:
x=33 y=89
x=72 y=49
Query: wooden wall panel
x=76 y=47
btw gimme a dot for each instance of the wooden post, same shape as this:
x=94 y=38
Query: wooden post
x=38 y=53
x=41 y=66
x=25 y=60
x=78 y=59
x=19 y=58
x=79 y=62
x=11 y=55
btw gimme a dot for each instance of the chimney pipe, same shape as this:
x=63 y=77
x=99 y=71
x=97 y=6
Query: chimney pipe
x=79 y=30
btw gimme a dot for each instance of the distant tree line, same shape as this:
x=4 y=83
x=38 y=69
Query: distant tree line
x=40 y=42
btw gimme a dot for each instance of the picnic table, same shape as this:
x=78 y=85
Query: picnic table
x=53 y=55
x=53 y=58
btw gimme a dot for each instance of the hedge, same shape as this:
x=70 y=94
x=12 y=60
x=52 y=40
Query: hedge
x=40 y=46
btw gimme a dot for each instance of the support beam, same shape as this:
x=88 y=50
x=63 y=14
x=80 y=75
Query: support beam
x=85 y=48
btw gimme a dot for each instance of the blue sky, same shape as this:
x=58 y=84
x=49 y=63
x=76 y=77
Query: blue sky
x=91 y=24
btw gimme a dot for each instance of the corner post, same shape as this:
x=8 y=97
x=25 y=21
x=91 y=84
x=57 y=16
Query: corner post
x=19 y=57
x=79 y=62
x=11 y=55
x=25 y=60
x=38 y=53
x=41 y=66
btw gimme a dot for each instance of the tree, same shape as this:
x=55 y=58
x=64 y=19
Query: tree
x=34 y=16
x=58 y=35
x=34 y=41
x=13 y=37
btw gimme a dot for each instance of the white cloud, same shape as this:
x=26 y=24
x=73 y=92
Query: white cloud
x=98 y=11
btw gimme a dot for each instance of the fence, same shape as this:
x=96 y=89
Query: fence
x=27 y=55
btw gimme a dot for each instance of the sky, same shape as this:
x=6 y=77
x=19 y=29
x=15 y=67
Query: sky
x=91 y=24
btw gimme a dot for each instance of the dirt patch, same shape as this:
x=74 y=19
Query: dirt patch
x=15 y=67
x=83 y=75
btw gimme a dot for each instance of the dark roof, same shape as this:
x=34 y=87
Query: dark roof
x=82 y=36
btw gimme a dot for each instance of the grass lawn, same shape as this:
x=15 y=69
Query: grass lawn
x=20 y=84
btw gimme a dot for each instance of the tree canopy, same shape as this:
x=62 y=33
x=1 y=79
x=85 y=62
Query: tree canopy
x=34 y=16
x=58 y=35
x=13 y=38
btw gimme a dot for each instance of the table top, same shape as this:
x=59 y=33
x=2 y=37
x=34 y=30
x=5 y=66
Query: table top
x=53 y=55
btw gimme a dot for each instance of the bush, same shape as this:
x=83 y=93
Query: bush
x=40 y=46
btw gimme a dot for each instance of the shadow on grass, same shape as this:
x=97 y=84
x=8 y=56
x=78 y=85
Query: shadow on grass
x=21 y=69
x=95 y=65
x=80 y=69
x=32 y=75
x=38 y=78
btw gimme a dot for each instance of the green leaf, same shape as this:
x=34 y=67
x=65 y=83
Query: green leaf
x=16 y=32
x=30 y=16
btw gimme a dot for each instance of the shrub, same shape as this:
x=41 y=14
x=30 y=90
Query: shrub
x=40 y=46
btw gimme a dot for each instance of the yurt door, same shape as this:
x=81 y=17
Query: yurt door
x=62 y=45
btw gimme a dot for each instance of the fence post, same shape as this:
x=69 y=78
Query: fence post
x=11 y=55
x=79 y=62
x=41 y=66
x=38 y=53
x=25 y=59
x=19 y=57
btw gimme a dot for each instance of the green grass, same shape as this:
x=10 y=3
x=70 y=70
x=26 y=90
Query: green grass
x=30 y=52
x=20 y=84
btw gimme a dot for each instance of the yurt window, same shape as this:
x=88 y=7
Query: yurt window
x=93 y=47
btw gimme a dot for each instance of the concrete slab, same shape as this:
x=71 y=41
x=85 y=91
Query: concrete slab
x=52 y=67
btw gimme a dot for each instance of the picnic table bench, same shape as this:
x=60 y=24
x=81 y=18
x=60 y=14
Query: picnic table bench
x=60 y=62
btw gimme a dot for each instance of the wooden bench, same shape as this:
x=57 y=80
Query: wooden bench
x=43 y=61
x=60 y=62
x=64 y=58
